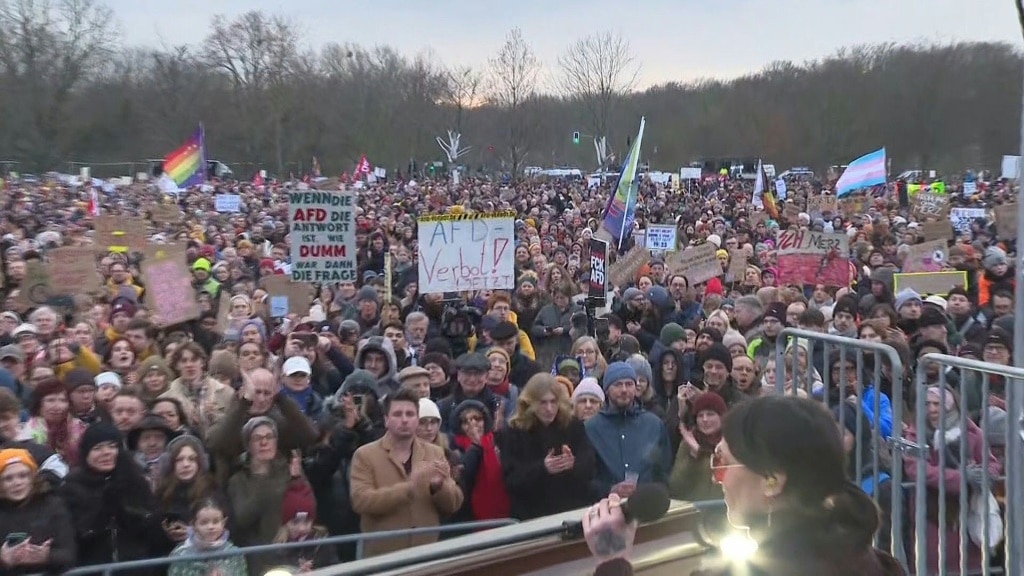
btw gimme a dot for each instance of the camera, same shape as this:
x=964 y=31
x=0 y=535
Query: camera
x=458 y=323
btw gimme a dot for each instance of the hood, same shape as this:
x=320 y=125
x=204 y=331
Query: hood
x=884 y=274
x=453 y=420
x=379 y=344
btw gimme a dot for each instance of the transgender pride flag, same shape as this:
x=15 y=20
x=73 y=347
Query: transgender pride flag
x=866 y=171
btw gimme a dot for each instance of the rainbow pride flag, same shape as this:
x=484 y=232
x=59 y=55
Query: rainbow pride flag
x=186 y=164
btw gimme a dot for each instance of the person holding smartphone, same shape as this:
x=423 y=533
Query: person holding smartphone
x=34 y=522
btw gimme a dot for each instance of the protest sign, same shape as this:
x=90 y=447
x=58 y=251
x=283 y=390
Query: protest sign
x=929 y=205
x=169 y=291
x=927 y=257
x=818 y=206
x=661 y=237
x=460 y=252
x=780 y=189
x=286 y=297
x=388 y=279
x=791 y=212
x=737 y=264
x=623 y=272
x=119 y=233
x=698 y=263
x=227 y=202
x=72 y=270
x=323 y=236
x=853 y=207
x=940 y=230
x=164 y=213
x=930 y=283
x=806 y=257
x=34 y=288
x=598 y=271
x=1006 y=221
x=963 y=217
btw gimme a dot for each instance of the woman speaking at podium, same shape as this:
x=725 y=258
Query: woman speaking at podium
x=781 y=467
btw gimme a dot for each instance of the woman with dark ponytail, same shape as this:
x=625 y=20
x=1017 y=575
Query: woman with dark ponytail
x=782 y=468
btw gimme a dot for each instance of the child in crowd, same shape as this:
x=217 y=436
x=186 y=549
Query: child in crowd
x=298 y=513
x=208 y=533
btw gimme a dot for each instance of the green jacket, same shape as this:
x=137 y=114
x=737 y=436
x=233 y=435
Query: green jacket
x=231 y=566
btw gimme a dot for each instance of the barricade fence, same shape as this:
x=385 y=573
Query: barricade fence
x=935 y=446
x=359 y=539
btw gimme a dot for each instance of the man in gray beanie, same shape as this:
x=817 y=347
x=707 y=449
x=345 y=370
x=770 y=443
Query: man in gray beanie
x=631 y=444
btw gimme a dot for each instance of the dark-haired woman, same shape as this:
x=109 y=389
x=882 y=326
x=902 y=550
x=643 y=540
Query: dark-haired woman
x=185 y=480
x=782 y=468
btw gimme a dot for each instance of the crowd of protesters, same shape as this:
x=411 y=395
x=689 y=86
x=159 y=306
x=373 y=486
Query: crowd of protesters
x=124 y=438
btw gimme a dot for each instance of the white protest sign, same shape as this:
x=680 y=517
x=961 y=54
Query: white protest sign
x=661 y=237
x=466 y=252
x=227 y=202
x=780 y=189
x=689 y=173
x=962 y=217
x=323 y=236
x=970 y=188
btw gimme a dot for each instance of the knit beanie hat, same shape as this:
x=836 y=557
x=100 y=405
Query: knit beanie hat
x=709 y=401
x=254 y=423
x=848 y=304
x=494 y=350
x=96 y=434
x=618 y=371
x=76 y=378
x=10 y=456
x=588 y=387
x=732 y=338
x=718 y=351
x=671 y=333
x=641 y=366
x=714 y=286
x=906 y=295
x=994 y=256
x=776 y=310
x=438 y=359
x=298 y=499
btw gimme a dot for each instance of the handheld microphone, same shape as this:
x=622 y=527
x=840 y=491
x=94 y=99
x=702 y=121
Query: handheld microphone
x=648 y=503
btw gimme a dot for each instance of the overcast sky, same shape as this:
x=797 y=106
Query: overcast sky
x=674 y=39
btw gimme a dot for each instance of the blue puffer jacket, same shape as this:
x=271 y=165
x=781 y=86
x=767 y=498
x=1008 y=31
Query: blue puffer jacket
x=634 y=441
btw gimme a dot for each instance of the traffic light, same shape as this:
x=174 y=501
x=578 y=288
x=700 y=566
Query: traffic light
x=575 y=137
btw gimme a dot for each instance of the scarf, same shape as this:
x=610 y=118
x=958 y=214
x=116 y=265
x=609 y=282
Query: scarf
x=489 y=501
x=501 y=389
x=706 y=443
x=303 y=398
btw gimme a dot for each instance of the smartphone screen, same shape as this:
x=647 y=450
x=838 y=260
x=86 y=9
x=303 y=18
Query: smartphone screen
x=15 y=538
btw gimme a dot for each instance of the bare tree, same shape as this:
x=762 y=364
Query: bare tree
x=47 y=50
x=598 y=70
x=514 y=72
x=463 y=85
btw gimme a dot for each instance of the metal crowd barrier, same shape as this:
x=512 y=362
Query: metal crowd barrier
x=115 y=567
x=787 y=349
x=983 y=528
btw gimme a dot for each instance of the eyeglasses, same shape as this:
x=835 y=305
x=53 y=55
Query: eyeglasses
x=718 y=469
x=261 y=438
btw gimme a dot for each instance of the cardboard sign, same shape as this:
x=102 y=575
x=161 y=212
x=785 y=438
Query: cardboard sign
x=294 y=296
x=1006 y=221
x=940 y=230
x=169 y=291
x=466 y=252
x=164 y=213
x=737 y=264
x=73 y=270
x=35 y=287
x=929 y=205
x=818 y=206
x=119 y=233
x=930 y=283
x=927 y=257
x=623 y=272
x=806 y=257
x=698 y=263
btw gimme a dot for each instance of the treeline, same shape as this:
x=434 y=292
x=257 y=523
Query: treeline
x=72 y=93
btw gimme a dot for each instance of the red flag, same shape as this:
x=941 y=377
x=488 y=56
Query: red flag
x=363 y=167
x=257 y=180
x=94 y=203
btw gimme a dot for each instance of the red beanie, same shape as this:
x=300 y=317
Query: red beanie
x=709 y=401
x=714 y=286
x=298 y=498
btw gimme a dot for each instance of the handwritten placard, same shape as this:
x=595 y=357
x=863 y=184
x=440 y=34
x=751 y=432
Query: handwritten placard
x=936 y=230
x=930 y=283
x=698 y=263
x=927 y=257
x=820 y=205
x=737 y=264
x=119 y=233
x=294 y=297
x=164 y=213
x=323 y=233
x=623 y=272
x=35 y=286
x=169 y=291
x=466 y=252
x=1006 y=221
x=227 y=202
x=929 y=205
x=806 y=257
x=72 y=270
x=661 y=237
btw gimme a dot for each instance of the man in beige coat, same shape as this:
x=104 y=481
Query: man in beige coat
x=401 y=481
